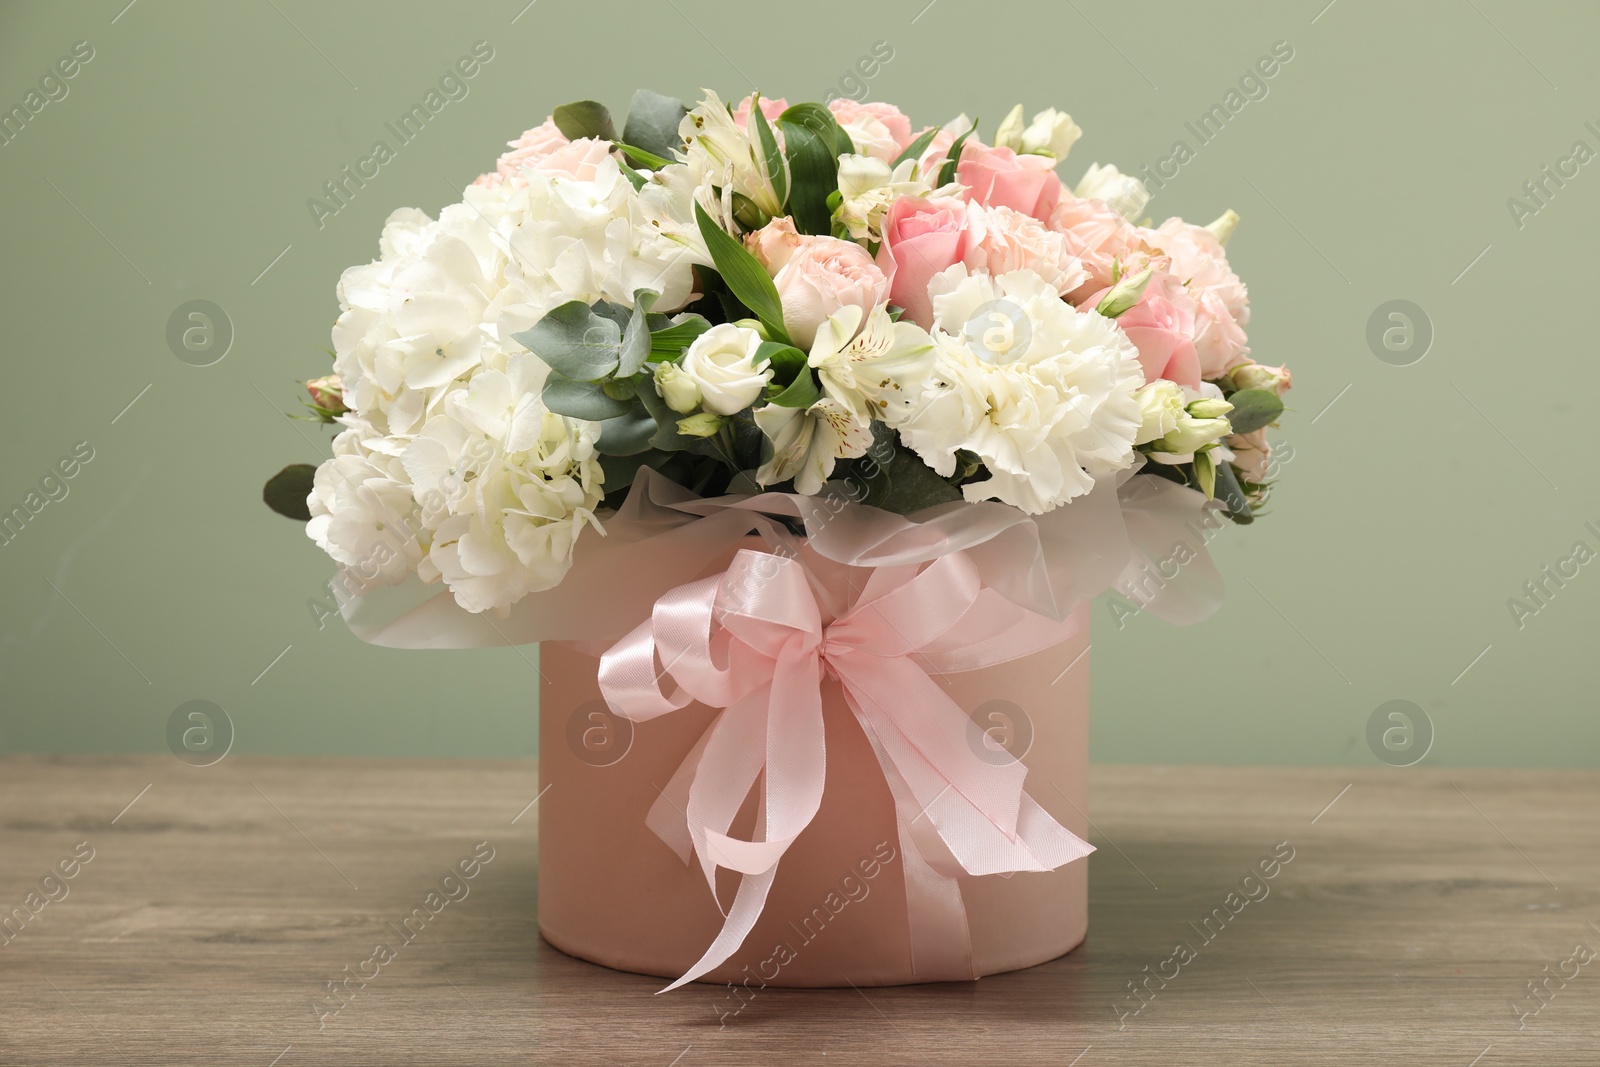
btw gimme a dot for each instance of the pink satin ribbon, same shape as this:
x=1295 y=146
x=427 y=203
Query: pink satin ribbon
x=757 y=641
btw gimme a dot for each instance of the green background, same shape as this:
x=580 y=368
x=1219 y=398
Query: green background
x=1378 y=167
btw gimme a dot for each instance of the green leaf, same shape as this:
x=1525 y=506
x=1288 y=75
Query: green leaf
x=666 y=436
x=286 y=491
x=787 y=360
x=640 y=157
x=627 y=435
x=653 y=121
x=575 y=341
x=584 y=118
x=769 y=151
x=670 y=342
x=1253 y=409
x=582 y=400
x=800 y=393
x=947 y=173
x=902 y=483
x=635 y=347
x=635 y=179
x=620 y=471
x=814 y=142
x=915 y=149
x=1232 y=495
x=745 y=275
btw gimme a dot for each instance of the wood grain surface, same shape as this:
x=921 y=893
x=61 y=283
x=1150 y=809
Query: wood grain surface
x=1418 y=907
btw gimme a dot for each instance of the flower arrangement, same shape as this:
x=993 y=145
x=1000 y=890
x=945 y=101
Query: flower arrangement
x=800 y=298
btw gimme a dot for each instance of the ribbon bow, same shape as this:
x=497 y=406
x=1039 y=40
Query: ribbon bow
x=753 y=640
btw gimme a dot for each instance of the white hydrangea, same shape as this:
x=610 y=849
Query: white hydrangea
x=449 y=465
x=1041 y=393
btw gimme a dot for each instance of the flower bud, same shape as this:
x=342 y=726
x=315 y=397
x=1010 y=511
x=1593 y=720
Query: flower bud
x=1192 y=434
x=1160 y=406
x=1209 y=408
x=705 y=424
x=1222 y=228
x=1009 y=135
x=1124 y=294
x=1052 y=133
x=327 y=393
x=1257 y=376
x=677 y=389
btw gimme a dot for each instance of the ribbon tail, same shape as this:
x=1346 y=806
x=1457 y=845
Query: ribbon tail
x=667 y=817
x=748 y=904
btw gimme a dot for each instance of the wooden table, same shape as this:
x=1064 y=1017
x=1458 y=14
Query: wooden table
x=219 y=903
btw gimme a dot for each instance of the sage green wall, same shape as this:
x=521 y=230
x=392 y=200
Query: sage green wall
x=1377 y=167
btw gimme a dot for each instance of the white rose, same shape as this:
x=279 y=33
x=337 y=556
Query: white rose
x=722 y=364
x=1161 y=403
x=1108 y=184
x=677 y=389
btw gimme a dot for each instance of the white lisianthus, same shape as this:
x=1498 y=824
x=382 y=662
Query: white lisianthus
x=1122 y=191
x=1161 y=405
x=722 y=365
x=807 y=442
x=874 y=369
x=1045 y=398
x=1201 y=420
x=1051 y=133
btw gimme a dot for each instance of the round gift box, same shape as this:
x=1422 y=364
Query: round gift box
x=613 y=893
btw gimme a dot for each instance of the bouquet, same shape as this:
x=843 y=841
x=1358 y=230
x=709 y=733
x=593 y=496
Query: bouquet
x=947 y=397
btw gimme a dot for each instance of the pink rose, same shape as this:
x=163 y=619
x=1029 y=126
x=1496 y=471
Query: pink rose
x=533 y=146
x=1252 y=454
x=1000 y=240
x=1223 y=305
x=578 y=159
x=816 y=276
x=1248 y=375
x=1161 y=327
x=770 y=110
x=921 y=237
x=998 y=177
x=1098 y=235
x=878 y=130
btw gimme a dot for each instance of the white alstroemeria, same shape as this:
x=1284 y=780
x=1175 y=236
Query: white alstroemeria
x=807 y=442
x=874 y=369
x=731 y=158
x=1123 y=192
x=1045 y=400
x=867 y=186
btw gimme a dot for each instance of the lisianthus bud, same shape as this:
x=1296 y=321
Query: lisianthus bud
x=1223 y=228
x=705 y=424
x=1124 y=294
x=1123 y=192
x=1009 y=135
x=1257 y=376
x=680 y=391
x=1192 y=434
x=1160 y=407
x=1209 y=408
x=327 y=393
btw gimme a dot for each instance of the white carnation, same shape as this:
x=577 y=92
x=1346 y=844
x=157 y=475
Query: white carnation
x=1042 y=394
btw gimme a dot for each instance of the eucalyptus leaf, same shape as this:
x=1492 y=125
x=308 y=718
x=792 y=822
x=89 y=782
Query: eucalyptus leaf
x=1232 y=494
x=620 y=471
x=744 y=274
x=575 y=341
x=904 y=483
x=286 y=491
x=584 y=118
x=627 y=435
x=1253 y=409
x=653 y=121
x=582 y=400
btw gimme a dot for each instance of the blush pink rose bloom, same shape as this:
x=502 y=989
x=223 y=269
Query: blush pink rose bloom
x=921 y=237
x=878 y=130
x=1161 y=326
x=998 y=177
x=533 y=146
x=816 y=276
x=1222 y=303
x=1098 y=235
x=1000 y=240
x=1252 y=454
x=770 y=110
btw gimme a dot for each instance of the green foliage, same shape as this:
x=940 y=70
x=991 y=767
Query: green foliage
x=1253 y=409
x=813 y=142
x=744 y=275
x=584 y=118
x=286 y=491
x=652 y=125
